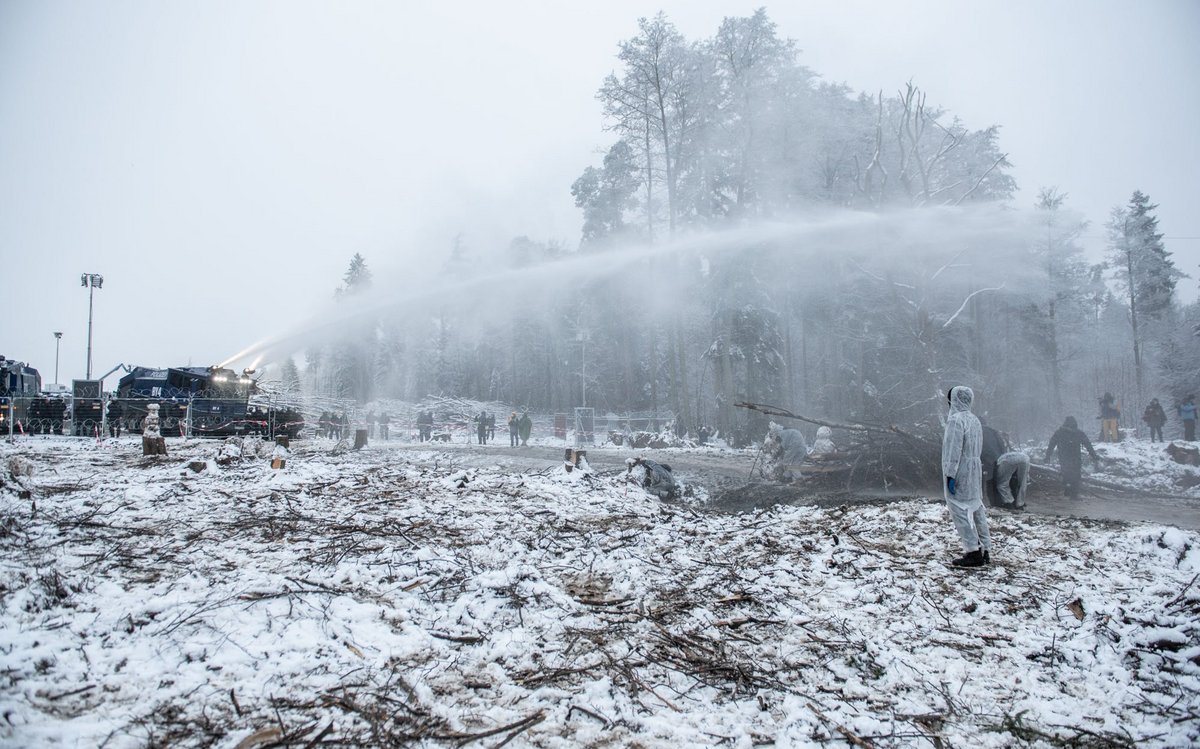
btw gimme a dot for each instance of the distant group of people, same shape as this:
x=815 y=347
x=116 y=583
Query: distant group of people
x=380 y=424
x=976 y=461
x=1155 y=417
x=332 y=425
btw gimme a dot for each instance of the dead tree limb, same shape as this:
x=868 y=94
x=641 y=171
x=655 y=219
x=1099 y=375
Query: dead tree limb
x=889 y=429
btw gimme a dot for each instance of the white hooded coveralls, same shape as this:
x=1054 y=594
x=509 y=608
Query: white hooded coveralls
x=824 y=444
x=960 y=451
x=961 y=448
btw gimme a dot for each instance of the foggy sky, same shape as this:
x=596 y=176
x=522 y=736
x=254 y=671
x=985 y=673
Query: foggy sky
x=220 y=162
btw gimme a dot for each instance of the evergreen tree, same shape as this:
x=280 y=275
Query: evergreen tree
x=1144 y=270
x=289 y=376
x=358 y=276
x=352 y=373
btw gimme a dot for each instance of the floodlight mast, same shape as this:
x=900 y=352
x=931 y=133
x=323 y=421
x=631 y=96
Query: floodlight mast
x=57 y=341
x=92 y=281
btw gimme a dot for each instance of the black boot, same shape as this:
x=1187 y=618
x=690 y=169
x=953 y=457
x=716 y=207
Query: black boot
x=971 y=559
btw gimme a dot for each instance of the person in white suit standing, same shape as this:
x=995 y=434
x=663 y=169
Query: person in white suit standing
x=963 y=472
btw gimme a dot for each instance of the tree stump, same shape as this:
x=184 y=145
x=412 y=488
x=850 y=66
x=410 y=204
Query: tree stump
x=154 y=446
x=573 y=458
x=360 y=439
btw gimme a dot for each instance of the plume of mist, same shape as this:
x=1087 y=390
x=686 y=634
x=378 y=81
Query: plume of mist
x=957 y=247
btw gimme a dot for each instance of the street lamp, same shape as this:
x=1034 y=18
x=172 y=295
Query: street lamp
x=57 y=340
x=92 y=281
x=582 y=337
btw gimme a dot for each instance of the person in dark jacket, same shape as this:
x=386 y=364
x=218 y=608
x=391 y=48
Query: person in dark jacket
x=424 y=426
x=481 y=427
x=1110 y=416
x=993 y=447
x=491 y=425
x=1069 y=440
x=1155 y=417
x=115 y=412
x=525 y=428
x=514 y=428
x=1005 y=472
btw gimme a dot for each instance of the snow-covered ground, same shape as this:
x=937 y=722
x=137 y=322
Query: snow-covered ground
x=1145 y=465
x=385 y=597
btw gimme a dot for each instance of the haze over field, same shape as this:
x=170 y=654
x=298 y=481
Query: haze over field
x=225 y=160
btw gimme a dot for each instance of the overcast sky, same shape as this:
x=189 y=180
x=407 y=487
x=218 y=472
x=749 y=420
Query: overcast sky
x=220 y=162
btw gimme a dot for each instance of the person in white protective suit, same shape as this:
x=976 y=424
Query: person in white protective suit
x=824 y=444
x=963 y=488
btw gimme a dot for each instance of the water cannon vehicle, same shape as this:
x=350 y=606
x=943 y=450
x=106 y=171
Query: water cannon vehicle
x=19 y=386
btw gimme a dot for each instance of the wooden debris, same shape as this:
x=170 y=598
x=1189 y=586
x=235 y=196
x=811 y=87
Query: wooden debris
x=259 y=738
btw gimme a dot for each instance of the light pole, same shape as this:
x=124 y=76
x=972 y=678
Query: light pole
x=92 y=281
x=57 y=341
x=581 y=336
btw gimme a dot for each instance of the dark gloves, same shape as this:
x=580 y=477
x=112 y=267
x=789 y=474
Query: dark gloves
x=950 y=484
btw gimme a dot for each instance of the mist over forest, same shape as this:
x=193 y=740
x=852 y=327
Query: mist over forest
x=752 y=232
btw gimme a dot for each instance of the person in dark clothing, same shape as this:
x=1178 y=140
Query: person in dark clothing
x=115 y=412
x=1005 y=472
x=481 y=427
x=1155 y=417
x=1069 y=440
x=525 y=428
x=993 y=447
x=514 y=426
x=424 y=426
x=491 y=425
x=1187 y=412
x=1110 y=415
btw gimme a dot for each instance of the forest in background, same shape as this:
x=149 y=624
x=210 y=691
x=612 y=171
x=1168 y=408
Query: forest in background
x=754 y=233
